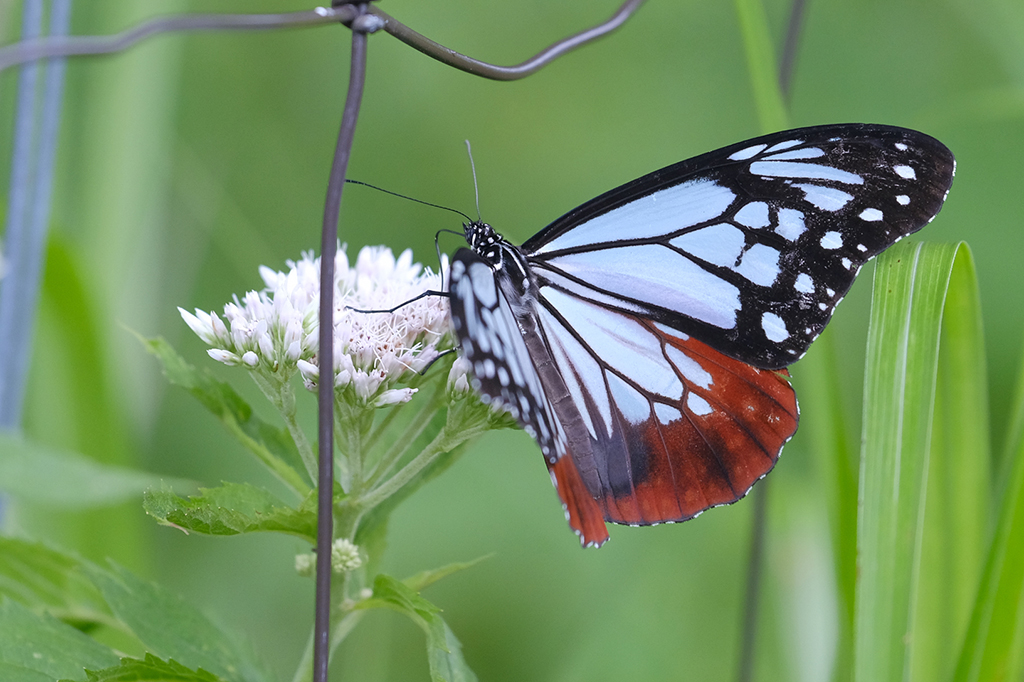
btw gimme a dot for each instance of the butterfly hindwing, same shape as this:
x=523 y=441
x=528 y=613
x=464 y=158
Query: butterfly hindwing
x=750 y=247
x=676 y=426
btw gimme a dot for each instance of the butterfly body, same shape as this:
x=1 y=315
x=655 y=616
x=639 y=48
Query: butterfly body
x=641 y=338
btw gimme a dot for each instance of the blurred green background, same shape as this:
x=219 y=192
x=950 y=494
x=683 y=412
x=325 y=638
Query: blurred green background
x=190 y=161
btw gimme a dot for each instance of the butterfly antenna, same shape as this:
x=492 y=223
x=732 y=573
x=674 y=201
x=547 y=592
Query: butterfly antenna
x=402 y=196
x=476 y=187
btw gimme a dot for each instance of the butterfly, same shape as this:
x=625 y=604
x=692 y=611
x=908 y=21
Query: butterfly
x=642 y=338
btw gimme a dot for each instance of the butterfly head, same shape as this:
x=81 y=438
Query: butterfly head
x=485 y=241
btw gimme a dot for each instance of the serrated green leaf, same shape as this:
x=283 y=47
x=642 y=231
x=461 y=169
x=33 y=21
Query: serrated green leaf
x=152 y=669
x=918 y=569
x=37 y=576
x=232 y=509
x=171 y=628
x=421 y=580
x=272 y=446
x=44 y=644
x=444 y=652
x=61 y=478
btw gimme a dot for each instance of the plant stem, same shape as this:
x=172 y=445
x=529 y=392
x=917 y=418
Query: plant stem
x=412 y=432
x=444 y=442
x=281 y=394
x=343 y=627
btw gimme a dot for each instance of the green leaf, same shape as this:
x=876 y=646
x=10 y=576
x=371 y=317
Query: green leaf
x=61 y=478
x=152 y=669
x=421 y=580
x=43 y=644
x=827 y=426
x=444 y=652
x=171 y=628
x=761 y=65
x=37 y=576
x=272 y=446
x=991 y=649
x=17 y=673
x=231 y=509
x=924 y=460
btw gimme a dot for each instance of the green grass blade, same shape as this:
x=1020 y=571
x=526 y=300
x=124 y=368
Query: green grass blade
x=833 y=446
x=991 y=647
x=917 y=569
x=761 y=65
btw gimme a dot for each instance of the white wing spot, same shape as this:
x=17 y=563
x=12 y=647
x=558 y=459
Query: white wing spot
x=861 y=248
x=774 y=327
x=691 y=370
x=719 y=244
x=831 y=240
x=747 y=153
x=804 y=283
x=823 y=306
x=902 y=147
x=830 y=292
x=754 y=214
x=652 y=215
x=483 y=284
x=825 y=198
x=905 y=172
x=847 y=263
x=808 y=153
x=902 y=199
x=760 y=265
x=698 y=405
x=871 y=215
x=784 y=145
x=811 y=171
x=791 y=224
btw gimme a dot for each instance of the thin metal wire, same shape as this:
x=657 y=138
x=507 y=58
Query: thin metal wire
x=325 y=392
x=31 y=50
x=503 y=73
x=94 y=45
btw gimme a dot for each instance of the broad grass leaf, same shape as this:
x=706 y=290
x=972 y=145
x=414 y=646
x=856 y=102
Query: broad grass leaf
x=919 y=467
x=64 y=479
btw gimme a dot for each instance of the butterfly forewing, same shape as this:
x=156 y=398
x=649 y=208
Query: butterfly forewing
x=637 y=337
x=751 y=247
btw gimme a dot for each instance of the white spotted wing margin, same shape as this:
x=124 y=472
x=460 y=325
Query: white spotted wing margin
x=749 y=248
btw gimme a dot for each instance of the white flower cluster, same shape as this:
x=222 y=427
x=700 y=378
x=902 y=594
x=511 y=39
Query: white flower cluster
x=279 y=326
